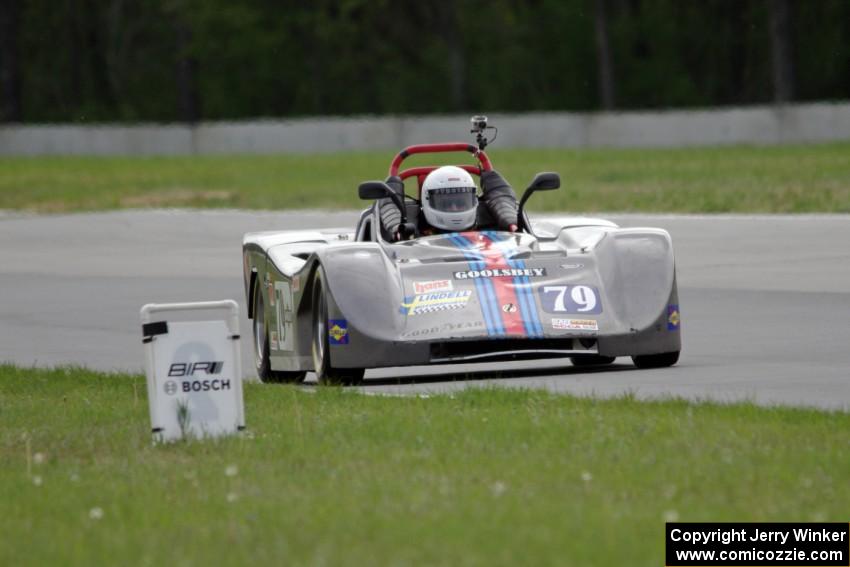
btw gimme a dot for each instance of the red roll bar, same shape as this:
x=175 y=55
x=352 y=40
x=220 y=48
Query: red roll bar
x=423 y=171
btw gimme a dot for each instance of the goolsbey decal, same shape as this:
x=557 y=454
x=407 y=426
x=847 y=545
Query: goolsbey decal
x=500 y=281
x=500 y=273
x=570 y=299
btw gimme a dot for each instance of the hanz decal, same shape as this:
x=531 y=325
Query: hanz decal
x=436 y=285
x=438 y=301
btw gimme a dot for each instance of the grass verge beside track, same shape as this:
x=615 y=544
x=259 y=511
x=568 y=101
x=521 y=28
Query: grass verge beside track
x=779 y=179
x=327 y=476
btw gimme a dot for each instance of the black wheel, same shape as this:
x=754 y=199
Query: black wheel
x=656 y=360
x=325 y=373
x=261 y=346
x=591 y=360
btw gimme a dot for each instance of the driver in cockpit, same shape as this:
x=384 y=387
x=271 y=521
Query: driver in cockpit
x=449 y=203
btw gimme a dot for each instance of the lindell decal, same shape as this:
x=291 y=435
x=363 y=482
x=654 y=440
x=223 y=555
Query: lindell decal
x=438 y=301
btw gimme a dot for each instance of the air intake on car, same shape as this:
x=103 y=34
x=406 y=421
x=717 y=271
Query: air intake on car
x=502 y=348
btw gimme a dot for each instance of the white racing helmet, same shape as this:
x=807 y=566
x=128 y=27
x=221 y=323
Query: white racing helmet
x=448 y=199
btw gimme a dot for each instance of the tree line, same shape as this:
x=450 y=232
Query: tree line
x=190 y=60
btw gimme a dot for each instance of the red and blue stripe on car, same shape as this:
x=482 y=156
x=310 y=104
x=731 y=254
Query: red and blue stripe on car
x=507 y=302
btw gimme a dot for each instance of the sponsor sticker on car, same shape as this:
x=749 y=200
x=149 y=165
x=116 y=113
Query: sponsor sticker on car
x=437 y=301
x=285 y=316
x=270 y=289
x=673 y=318
x=338 y=332
x=575 y=324
x=501 y=273
x=449 y=328
x=435 y=285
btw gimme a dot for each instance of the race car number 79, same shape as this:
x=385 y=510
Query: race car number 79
x=570 y=299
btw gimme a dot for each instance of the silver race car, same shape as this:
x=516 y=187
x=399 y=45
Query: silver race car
x=338 y=301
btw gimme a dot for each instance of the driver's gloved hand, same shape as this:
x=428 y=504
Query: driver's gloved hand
x=405 y=231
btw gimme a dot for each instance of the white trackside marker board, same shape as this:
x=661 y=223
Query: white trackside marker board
x=193 y=371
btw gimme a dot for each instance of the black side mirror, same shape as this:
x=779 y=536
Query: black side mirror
x=370 y=190
x=544 y=181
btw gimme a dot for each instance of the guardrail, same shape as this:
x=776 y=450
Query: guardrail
x=759 y=125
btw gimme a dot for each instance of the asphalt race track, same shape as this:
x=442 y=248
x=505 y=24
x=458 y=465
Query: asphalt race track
x=765 y=301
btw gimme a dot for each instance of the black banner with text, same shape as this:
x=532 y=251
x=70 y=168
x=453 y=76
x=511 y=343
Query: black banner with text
x=761 y=544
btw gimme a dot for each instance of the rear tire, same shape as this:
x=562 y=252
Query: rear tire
x=656 y=360
x=325 y=373
x=591 y=360
x=262 y=360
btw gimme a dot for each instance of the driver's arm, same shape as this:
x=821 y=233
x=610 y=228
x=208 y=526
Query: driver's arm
x=500 y=199
x=390 y=215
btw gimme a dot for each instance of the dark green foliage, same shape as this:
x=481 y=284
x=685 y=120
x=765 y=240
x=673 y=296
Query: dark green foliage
x=106 y=60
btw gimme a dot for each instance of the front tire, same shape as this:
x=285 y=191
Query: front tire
x=662 y=360
x=325 y=373
x=262 y=360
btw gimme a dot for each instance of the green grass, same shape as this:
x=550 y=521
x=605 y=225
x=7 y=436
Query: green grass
x=786 y=179
x=327 y=476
